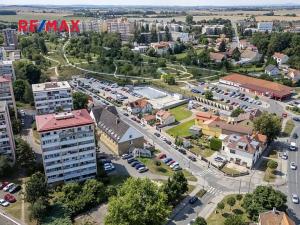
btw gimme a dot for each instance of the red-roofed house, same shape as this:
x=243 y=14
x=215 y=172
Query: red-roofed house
x=165 y=117
x=68 y=146
x=217 y=57
x=280 y=58
x=139 y=106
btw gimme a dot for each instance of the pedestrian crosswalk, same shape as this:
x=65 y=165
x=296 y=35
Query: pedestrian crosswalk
x=207 y=171
x=213 y=190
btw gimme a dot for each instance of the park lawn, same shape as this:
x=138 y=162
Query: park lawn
x=289 y=126
x=219 y=218
x=163 y=169
x=182 y=130
x=231 y=171
x=181 y=112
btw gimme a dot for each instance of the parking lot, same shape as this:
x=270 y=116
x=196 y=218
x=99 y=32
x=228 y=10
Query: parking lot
x=8 y=193
x=230 y=95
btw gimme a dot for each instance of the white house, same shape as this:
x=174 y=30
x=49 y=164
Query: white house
x=244 y=150
x=165 y=117
x=294 y=75
x=272 y=70
x=139 y=106
x=280 y=58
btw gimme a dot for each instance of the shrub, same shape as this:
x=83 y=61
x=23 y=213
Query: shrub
x=272 y=164
x=215 y=144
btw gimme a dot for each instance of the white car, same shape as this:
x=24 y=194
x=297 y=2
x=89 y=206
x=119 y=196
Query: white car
x=4 y=203
x=293 y=166
x=6 y=188
x=295 y=199
x=293 y=146
x=284 y=156
x=174 y=164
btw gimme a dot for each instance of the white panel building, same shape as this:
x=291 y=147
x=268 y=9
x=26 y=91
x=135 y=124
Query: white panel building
x=68 y=146
x=52 y=97
x=7 y=69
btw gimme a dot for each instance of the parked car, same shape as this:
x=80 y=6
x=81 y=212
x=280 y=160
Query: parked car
x=192 y=158
x=109 y=167
x=133 y=164
x=125 y=114
x=7 y=187
x=175 y=164
x=142 y=169
x=157 y=134
x=162 y=156
x=293 y=146
x=10 y=198
x=193 y=200
x=139 y=165
x=295 y=135
x=170 y=163
x=167 y=160
x=295 y=199
x=218 y=159
x=3 y=184
x=297 y=119
x=15 y=189
x=104 y=161
x=183 y=151
x=126 y=156
x=130 y=160
x=176 y=168
x=4 y=203
x=284 y=156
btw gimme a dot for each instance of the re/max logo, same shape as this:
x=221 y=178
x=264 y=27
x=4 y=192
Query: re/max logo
x=48 y=25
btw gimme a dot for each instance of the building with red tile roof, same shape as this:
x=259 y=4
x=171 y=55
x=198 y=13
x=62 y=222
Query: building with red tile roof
x=275 y=217
x=257 y=86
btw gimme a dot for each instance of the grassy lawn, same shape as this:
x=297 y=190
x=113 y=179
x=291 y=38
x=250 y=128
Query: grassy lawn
x=201 y=193
x=289 y=126
x=181 y=112
x=228 y=170
x=269 y=175
x=163 y=169
x=203 y=152
x=182 y=130
x=219 y=217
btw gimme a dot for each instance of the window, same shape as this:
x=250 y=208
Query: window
x=232 y=151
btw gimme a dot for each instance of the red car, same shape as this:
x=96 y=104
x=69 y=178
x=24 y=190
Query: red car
x=3 y=185
x=10 y=198
x=162 y=156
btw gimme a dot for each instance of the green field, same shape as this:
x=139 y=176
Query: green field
x=181 y=112
x=182 y=130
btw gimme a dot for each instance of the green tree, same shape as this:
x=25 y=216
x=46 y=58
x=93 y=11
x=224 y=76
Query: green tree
x=215 y=144
x=236 y=112
x=169 y=79
x=263 y=198
x=139 y=201
x=176 y=186
x=209 y=95
x=231 y=201
x=5 y=167
x=27 y=71
x=269 y=125
x=239 y=197
x=221 y=206
x=25 y=157
x=80 y=100
x=234 y=219
x=189 y=19
x=199 y=221
x=36 y=188
x=272 y=164
x=38 y=209
x=236 y=54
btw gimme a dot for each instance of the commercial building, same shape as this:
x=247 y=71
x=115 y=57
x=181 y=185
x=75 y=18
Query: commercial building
x=52 y=97
x=257 y=86
x=7 y=143
x=244 y=150
x=68 y=146
x=7 y=69
x=10 y=38
x=117 y=135
x=6 y=92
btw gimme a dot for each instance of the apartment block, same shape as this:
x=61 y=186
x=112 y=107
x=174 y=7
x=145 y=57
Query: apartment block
x=68 y=146
x=121 y=26
x=10 y=38
x=52 y=97
x=7 y=69
x=7 y=143
x=6 y=92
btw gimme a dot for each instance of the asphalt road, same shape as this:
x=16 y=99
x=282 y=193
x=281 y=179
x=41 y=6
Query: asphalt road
x=294 y=178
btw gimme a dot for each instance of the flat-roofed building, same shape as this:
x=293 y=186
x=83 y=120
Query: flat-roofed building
x=10 y=38
x=52 y=97
x=7 y=69
x=68 y=146
x=7 y=142
x=6 y=92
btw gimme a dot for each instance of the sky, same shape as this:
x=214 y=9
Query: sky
x=151 y=2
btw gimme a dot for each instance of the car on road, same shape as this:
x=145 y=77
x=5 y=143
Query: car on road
x=168 y=142
x=15 y=189
x=293 y=166
x=9 y=186
x=297 y=119
x=183 y=151
x=295 y=198
x=126 y=156
x=157 y=134
x=4 y=203
x=295 y=135
x=10 y=198
x=293 y=146
x=193 y=200
x=125 y=114
x=284 y=156
x=192 y=158
x=162 y=156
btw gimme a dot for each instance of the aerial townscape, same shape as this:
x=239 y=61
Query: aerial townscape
x=136 y=113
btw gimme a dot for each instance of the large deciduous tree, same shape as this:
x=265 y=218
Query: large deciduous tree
x=36 y=188
x=139 y=201
x=80 y=100
x=25 y=157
